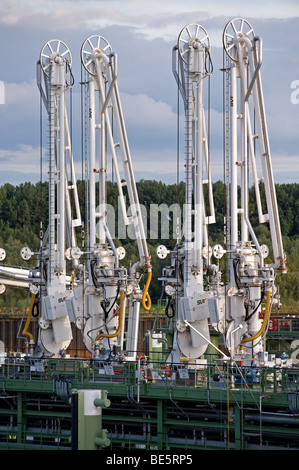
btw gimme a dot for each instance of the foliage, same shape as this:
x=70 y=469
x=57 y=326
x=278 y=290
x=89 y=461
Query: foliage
x=24 y=216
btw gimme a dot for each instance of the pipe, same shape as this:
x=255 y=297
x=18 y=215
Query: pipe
x=234 y=331
x=265 y=321
x=25 y=332
x=108 y=235
x=138 y=377
x=146 y=300
x=225 y=357
x=120 y=322
x=258 y=65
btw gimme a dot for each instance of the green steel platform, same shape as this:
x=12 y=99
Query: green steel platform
x=218 y=405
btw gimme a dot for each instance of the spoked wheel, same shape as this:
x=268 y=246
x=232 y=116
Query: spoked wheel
x=236 y=28
x=191 y=34
x=52 y=50
x=89 y=47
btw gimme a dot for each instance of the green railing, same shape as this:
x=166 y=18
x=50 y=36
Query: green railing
x=287 y=325
x=213 y=375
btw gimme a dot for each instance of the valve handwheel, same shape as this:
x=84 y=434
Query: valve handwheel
x=91 y=45
x=236 y=28
x=188 y=35
x=51 y=50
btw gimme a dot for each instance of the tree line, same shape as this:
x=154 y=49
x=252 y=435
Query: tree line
x=24 y=219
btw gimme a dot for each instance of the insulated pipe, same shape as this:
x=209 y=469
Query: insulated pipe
x=243 y=144
x=92 y=199
x=234 y=176
x=61 y=169
x=14 y=283
x=52 y=197
x=102 y=169
x=15 y=273
x=198 y=177
x=188 y=173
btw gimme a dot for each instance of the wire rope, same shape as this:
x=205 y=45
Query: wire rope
x=209 y=71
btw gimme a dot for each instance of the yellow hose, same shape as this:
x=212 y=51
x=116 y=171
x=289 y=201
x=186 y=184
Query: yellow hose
x=265 y=321
x=146 y=300
x=25 y=332
x=120 y=321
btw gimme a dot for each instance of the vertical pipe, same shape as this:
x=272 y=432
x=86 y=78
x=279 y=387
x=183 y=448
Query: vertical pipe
x=52 y=124
x=92 y=151
x=127 y=165
x=188 y=190
x=61 y=171
x=198 y=183
x=264 y=145
x=234 y=153
x=243 y=143
x=20 y=418
x=132 y=330
x=102 y=170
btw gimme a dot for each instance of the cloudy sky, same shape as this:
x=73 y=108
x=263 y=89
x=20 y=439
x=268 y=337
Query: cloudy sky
x=142 y=34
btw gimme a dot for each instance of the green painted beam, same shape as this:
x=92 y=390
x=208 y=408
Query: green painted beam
x=156 y=392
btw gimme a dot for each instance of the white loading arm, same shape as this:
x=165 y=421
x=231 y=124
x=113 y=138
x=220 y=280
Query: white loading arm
x=101 y=64
x=51 y=49
x=242 y=46
x=251 y=279
x=193 y=55
x=184 y=281
x=55 y=288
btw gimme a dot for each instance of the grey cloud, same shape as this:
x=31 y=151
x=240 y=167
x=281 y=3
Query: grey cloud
x=145 y=75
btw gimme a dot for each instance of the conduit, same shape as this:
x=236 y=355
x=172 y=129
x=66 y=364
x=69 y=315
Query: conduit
x=265 y=321
x=146 y=300
x=25 y=332
x=120 y=321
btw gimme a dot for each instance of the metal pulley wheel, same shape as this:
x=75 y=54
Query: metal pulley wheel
x=52 y=50
x=191 y=34
x=236 y=28
x=93 y=44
